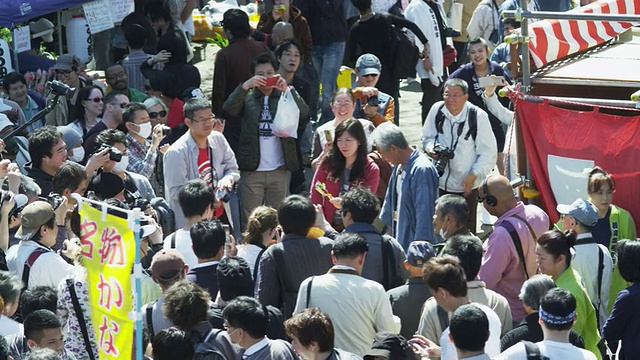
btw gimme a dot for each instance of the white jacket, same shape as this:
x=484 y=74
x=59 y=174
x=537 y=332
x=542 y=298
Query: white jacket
x=423 y=16
x=585 y=262
x=478 y=157
x=484 y=20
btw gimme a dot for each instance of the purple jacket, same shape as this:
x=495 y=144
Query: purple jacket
x=501 y=269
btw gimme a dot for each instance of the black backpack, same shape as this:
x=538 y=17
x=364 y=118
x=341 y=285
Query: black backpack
x=404 y=52
x=166 y=217
x=207 y=350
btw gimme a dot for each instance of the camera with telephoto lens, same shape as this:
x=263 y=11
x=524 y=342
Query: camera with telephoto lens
x=114 y=154
x=166 y=131
x=373 y=101
x=444 y=155
x=60 y=89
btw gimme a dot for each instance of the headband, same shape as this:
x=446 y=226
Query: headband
x=555 y=319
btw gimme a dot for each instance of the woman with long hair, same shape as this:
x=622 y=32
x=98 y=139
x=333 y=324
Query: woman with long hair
x=262 y=228
x=553 y=254
x=345 y=166
x=88 y=109
x=343 y=104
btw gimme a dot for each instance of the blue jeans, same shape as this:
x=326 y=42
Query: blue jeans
x=327 y=60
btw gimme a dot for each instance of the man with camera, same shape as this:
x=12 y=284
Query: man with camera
x=137 y=187
x=371 y=103
x=48 y=151
x=458 y=136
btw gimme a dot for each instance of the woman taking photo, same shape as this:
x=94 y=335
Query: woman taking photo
x=88 y=109
x=553 y=254
x=624 y=321
x=262 y=228
x=343 y=104
x=345 y=166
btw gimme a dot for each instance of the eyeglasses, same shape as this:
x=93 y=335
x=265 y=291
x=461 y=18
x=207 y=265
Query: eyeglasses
x=203 y=121
x=122 y=105
x=64 y=72
x=370 y=75
x=155 y=114
x=97 y=100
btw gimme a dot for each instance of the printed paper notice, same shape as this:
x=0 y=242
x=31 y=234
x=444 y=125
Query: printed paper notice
x=22 y=39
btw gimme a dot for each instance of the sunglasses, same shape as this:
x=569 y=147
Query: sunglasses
x=370 y=75
x=97 y=100
x=122 y=105
x=155 y=114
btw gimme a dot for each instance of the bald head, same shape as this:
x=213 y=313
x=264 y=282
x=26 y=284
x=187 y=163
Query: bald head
x=281 y=31
x=499 y=187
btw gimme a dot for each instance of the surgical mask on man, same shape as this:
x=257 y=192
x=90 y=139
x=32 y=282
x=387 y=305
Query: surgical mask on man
x=77 y=154
x=121 y=166
x=145 y=130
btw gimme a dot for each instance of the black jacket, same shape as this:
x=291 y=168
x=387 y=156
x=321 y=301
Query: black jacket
x=530 y=330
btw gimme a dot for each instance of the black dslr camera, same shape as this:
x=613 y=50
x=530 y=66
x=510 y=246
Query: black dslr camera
x=114 y=154
x=444 y=155
x=373 y=101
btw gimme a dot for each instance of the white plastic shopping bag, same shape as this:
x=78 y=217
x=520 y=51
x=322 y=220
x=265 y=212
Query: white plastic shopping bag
x=285 y=123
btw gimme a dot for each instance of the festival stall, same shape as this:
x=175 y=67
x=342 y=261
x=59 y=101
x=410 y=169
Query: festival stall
x=578 y=113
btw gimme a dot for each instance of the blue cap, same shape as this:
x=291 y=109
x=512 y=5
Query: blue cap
x=368 y=64
x=419 y=252
x=583 y=211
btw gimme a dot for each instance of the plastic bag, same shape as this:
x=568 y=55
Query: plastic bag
x=285 y=123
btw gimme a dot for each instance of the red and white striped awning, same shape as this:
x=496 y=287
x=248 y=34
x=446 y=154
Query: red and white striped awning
x=555 y=39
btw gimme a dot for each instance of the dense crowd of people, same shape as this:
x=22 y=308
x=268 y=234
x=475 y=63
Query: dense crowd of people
x=373 y=256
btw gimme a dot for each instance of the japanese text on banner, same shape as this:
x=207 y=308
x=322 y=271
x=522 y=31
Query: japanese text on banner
x=108 y=247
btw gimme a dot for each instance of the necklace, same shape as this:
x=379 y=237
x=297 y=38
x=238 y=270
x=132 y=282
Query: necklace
x=367 y=16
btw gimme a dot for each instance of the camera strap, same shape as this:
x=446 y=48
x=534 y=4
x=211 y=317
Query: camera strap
x=214 y=173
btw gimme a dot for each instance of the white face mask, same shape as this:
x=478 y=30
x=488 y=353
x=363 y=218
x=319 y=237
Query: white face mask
x=77 y=154
x=122 y=165
x=145 y=130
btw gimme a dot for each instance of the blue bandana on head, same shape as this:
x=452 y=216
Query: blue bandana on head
x=555 y=319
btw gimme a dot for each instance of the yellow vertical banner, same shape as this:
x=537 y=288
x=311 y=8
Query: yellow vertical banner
x=108 y=248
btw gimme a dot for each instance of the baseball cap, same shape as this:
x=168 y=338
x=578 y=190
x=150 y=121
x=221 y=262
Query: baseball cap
x=42 y=28
x=71 y=136
x=419 y=252
x=582 y=210
x=368 y=64
x=66 y=62
x=34 y=216
x=391 y=346
x=167 y=264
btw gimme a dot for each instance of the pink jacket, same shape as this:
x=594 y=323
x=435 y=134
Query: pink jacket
x=501 y=269
x=371 y=180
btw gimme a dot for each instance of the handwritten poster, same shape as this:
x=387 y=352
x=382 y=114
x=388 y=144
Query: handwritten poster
x=98 y=15
x=22 y=39
x=108 y=246
x=120 y=9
